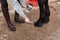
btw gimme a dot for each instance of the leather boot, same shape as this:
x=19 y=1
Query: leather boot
x=16 y=18
x=6 y=15
x=39 y=22
x=47 y=12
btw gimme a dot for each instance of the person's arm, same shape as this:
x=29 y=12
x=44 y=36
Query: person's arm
x=19 y=10
x=17 y=7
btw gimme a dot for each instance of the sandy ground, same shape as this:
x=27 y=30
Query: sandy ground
x=50 y=31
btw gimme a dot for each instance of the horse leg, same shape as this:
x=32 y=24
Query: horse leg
x=6 y=15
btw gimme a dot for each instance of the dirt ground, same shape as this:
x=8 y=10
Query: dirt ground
x=24 y=31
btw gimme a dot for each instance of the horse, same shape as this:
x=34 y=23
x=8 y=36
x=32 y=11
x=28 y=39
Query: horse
x=44 y=13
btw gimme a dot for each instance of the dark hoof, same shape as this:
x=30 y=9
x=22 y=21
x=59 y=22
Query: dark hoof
x=38 y=24
x=11 y=27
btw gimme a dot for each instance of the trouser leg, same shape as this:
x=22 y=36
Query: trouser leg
x=44 y=13
x=5 y=10
x=6 y=14
x=41 y=8
x=47 y=11
x=39 y=22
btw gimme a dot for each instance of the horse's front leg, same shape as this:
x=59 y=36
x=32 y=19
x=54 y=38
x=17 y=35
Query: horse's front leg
x=6 y=15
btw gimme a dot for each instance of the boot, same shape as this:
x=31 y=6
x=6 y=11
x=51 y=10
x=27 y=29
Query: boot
x=39 y=23
x=6 y=15
x=16 y=18
x=47 y=12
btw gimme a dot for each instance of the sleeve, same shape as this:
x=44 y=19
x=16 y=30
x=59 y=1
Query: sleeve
x=17 y=7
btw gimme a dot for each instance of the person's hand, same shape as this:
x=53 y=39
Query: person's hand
x=28 y=21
